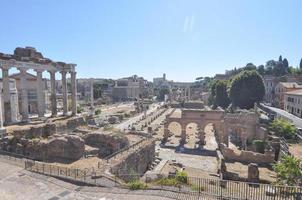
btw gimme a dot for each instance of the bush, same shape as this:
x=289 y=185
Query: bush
x=289 y=171
x=182 y=177
x=97 y=111
x=260 y=145
x=168 y=182
x=283 y=128
x=136 y=185
x=80 y=109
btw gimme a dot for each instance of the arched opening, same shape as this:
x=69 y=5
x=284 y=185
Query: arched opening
x=175 y=129
x=210 y=139
x=192 y=137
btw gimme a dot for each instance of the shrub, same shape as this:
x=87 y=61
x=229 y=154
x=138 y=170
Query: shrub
x=283 y=128
x=168 y=182
x=80 y=109
x=136 y=185
x=260 y=145
x=182 y=177
x=97 y=111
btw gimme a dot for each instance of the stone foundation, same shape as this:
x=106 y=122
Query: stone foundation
x=247 y=156
x=137 y=163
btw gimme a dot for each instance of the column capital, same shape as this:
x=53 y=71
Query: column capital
x=73 y=72
x=63 y=72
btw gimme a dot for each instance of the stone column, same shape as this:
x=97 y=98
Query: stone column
x=24 y=95
x=53 y=97
x=73 y=92
x=64 y=93
x=6 y=95
x=40 y=94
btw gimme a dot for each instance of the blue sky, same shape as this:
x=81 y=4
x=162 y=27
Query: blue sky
x=183 y=38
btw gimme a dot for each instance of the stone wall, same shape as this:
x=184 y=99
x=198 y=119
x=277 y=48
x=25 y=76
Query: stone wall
x=247 y=156
x=106 y=143
x=136 y=163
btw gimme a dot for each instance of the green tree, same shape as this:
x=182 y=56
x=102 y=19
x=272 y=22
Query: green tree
x=97 y=90
x=247 y=88
x=221 y=95
x=300 y=64
x=280 y=58
x=283 y=128
x=285 y=63
x=250 y=66
x=162 y=93
x=289 y=171
x=261 y=70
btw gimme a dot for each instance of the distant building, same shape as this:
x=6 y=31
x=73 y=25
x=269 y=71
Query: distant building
x=282 y=88
x=129 y=88
x=293 y=102
x=270 y=83
x=161 y=82
x=32 y=84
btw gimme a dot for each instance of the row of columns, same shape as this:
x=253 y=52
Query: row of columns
x=40 y=94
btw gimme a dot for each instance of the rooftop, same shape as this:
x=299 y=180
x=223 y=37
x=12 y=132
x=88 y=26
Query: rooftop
x=295 y=92
x=290 y=85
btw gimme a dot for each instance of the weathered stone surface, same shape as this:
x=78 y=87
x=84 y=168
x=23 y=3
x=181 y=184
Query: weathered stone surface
x=253 y=173
x=137 y=163
x=246 y=156
x=67 y=147
x=107 y=143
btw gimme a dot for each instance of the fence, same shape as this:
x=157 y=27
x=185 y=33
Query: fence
x=220 y=189
x=192 y=186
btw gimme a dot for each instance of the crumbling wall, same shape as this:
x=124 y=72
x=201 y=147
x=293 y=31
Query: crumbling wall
x=136 y=163
x=106 y=143
x=247 y=156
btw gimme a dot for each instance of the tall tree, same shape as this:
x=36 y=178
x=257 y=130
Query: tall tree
x=280 y=58
x=285 y=63
x=221 y=95
x=247 y=88
x=301 y=63
x=261 y=69
x=250 y=66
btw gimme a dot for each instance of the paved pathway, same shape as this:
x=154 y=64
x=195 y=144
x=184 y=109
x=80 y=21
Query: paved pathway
x=16 y=183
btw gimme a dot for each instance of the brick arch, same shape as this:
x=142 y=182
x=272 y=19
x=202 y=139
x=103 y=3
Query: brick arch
x=199 y=117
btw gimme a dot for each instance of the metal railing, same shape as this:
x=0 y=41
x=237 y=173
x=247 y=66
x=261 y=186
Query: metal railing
x=192 y=186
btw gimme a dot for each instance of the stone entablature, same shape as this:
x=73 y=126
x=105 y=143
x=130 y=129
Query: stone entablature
x=29 y=59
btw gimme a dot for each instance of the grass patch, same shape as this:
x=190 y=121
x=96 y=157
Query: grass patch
x=181 y=178
x=197 y=187
x=168 y=182
x=136 y=185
